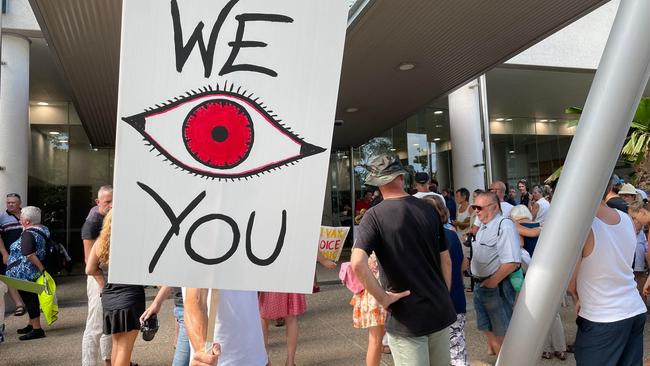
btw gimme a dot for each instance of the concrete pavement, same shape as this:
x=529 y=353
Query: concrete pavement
x=326 y=333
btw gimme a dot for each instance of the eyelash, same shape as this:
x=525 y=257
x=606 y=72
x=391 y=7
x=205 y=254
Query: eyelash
x=208 y=90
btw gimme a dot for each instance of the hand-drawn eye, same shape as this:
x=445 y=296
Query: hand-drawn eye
x=211 y=133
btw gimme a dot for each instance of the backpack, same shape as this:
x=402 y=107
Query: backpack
x=56 y=257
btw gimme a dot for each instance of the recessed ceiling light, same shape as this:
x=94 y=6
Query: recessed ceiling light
x=501 y=119
x=438 y=112
x=406 y=66
x=393 y=149
x=438 y=126
x=416 y=144
x=344 y=157
x=63 y=141
x=552 y=120
x=352 y=109
x=508 y=119
x=511 y=151
x=543 y=120
x=54 y=133
x=43 y=103
x=436 y=139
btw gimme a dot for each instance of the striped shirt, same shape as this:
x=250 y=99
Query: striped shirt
x=10 y=228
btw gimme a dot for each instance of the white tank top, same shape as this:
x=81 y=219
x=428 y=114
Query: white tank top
x=544 y=206
x=605 y=282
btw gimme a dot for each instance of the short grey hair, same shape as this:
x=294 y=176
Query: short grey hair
x=31 y=214
x=104 y=189
x=520 y=212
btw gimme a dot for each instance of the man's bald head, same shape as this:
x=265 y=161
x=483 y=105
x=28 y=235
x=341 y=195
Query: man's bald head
x=499 y=188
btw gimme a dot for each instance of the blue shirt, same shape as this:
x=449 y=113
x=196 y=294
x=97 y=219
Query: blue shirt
x=30 y=242
x=457 y=291
x=530 y=242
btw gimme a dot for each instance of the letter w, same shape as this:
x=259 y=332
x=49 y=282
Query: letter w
x=207 y=53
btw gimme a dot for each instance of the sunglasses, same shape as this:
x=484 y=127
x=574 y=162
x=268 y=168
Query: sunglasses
x=480 y=208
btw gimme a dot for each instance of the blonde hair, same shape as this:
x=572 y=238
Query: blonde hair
x=637 y=206
x=103 y=242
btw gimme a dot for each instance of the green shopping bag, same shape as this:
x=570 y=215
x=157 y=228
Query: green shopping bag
x=47 y=298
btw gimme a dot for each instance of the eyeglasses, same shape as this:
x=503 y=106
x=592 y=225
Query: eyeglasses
x=480 y=208
x=13 y=195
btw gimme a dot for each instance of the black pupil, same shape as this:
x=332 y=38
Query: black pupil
x=219 y=134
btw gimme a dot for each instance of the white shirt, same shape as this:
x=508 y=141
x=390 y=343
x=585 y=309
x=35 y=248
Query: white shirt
x=424 y=194
x=544 y=206
x=495 y=246
x=605 y=282
x=238 y=329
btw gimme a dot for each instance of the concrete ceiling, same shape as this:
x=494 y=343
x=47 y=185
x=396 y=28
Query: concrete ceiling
x=450 y=42
x=46 y=84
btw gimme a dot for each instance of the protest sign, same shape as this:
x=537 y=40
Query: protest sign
x=225 y=120
x=331 y=241
x=23 y=285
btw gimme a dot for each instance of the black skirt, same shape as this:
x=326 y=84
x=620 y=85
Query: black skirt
x=123 y=305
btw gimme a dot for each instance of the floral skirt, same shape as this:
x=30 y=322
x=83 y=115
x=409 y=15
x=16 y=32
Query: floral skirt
x=366 y=312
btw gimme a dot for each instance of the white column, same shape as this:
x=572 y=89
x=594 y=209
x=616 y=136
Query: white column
x=613 y=98
x=14 y=115
x=465 y=133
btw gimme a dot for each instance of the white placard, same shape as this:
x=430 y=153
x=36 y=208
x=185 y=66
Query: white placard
x=225 y=121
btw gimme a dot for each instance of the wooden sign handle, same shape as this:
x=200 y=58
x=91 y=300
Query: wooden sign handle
x=212 y=318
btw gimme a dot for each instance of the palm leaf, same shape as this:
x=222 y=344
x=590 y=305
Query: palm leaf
x=573 y=110
x=641 y=120
x=555 y=176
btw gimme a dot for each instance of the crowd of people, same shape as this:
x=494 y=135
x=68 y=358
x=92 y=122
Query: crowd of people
x=413 y=256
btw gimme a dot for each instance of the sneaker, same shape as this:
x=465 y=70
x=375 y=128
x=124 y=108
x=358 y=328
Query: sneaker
x=25 y=330
x=34 y=334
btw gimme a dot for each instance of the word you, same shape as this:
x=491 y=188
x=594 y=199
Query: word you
x=174 y=229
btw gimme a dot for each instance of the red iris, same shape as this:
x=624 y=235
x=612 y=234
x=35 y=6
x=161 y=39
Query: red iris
x=218 y=133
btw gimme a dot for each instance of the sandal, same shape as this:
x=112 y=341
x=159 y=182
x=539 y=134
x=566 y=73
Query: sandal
x=20 y=310
x=385 y=350
x=547 y=355
x=560 y=355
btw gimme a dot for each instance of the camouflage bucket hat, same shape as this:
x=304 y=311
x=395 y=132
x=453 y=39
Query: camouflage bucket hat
x=383 y=169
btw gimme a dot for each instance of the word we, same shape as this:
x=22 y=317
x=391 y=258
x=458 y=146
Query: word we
x=176 y=221
x=207 y=53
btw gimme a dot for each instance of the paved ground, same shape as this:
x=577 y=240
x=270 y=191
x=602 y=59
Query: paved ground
x=326 y=333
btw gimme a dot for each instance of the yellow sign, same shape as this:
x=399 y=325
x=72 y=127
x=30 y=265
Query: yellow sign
x=331 y=241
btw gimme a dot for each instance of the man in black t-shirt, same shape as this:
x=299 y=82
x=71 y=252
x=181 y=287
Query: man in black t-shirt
x=408 y=239
x=94 y=344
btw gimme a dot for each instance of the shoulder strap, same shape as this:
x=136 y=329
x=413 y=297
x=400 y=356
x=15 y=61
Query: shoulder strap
x=499 y=228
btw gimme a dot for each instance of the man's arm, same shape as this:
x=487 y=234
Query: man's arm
x=445 y=264
x=196 y=324
x=572 y=289
x=359 y=261
x=504 y=270
x=3 y=252
x=88 y=244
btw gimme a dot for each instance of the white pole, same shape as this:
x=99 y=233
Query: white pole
x=614 y=96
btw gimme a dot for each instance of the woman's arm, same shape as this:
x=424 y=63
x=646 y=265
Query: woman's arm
x=36 y=262
x=154 y=308
x=92 y=267
x=528 y=231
